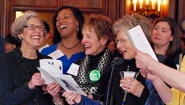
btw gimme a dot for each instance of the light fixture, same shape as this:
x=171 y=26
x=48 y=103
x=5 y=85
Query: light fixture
x=149 y=8
x=18 y=14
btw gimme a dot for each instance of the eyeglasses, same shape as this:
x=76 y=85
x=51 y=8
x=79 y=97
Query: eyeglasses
x=121 y=41
x=33 y=27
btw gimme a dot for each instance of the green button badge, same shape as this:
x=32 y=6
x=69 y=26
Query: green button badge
x=94 y=75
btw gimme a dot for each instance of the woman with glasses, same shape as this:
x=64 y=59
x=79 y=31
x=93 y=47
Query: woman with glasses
x=128 y=90
x=21 y=82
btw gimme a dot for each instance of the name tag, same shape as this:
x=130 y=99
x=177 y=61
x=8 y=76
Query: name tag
x=73 y=69
x=56 y=54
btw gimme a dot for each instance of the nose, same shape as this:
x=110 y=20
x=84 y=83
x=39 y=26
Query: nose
x=157 y=32
x=37 y=29
x=83 y=40
x=118 y=45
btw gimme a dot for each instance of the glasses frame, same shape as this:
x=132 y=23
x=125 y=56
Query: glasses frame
x=33 y=27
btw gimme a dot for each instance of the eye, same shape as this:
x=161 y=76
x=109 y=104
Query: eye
x=155 y=28
x=32 y=26
x=164 y=31
x=57 y=19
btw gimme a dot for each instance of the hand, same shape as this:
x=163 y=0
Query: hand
x=89 y=95
x=36 y=80
x=144 y=73
x=71 y=97
x=143 y=60
x=132 y=86
x=53 y=89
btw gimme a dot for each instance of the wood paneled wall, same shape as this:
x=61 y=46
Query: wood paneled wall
x=114 y=9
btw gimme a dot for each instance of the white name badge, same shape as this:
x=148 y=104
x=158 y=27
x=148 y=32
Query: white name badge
x=73 y=69
x=56 y=54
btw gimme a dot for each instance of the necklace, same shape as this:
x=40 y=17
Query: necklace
x=70 y=47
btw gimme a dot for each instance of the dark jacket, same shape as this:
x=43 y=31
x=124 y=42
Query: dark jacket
x=115 y=94
x=16 y=72
x=2 y=49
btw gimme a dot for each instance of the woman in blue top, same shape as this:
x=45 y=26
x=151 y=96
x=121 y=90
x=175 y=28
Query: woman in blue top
x=67 y=46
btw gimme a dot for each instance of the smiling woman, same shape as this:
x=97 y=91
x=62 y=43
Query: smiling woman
x=21 y=83
x=67 y=36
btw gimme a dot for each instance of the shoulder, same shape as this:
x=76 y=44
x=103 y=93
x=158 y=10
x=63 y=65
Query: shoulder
x=49 y=50
x=166 y=61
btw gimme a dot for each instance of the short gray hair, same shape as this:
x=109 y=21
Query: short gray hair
x=130 y=21
x=19 y=23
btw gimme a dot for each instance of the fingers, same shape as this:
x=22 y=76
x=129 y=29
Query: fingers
x=53 y=88
x=69 y=96
x=129 y=84
x=36 y=80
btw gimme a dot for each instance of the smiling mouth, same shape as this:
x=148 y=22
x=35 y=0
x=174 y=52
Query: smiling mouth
x=62 y=27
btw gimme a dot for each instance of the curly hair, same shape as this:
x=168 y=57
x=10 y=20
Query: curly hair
x=130 y=21
x=78 y=16
x=19 y=23
x=102 y=26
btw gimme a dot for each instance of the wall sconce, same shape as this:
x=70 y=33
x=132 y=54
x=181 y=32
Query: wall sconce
x=149 y=8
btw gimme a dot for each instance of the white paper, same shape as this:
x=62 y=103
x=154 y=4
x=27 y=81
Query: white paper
x=53 y=67
x=73 y=70
x=46 y=76
x=68 y=83
x=56 y=54
x=139 y=40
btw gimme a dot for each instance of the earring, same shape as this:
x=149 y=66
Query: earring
x=20 y=38
x=77 y=29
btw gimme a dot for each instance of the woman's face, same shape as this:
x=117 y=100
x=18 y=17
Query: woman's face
x=32 y=34
x=93 y=46
x=66 y=23
x=124 y=45
x=9 y=47
x=161 y=34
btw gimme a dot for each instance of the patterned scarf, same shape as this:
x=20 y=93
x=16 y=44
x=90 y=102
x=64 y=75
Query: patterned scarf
x=103 y=66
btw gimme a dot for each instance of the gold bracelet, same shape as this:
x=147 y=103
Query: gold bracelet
x=60 y=103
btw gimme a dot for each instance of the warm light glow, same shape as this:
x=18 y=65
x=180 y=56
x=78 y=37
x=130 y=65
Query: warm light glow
x=153 y=4
x=134 y=2
x=18 y=14
x=147 y=2
x=159 y=5
x=141 y=4
x=164 y=2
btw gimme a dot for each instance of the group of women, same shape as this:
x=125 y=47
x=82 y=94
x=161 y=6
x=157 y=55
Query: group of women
x=85 y=43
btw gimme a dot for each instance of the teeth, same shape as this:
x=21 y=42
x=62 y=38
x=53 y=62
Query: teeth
x=62 y=27
x=35 y=37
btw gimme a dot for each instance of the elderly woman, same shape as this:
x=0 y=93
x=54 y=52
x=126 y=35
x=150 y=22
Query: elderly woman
x=136 y=92
x=20 y=82
x=94 y=70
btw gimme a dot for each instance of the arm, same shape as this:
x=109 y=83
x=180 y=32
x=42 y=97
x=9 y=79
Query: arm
x=73 y=98
x=171 y=76
x=162 y=89
x=12 y=91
